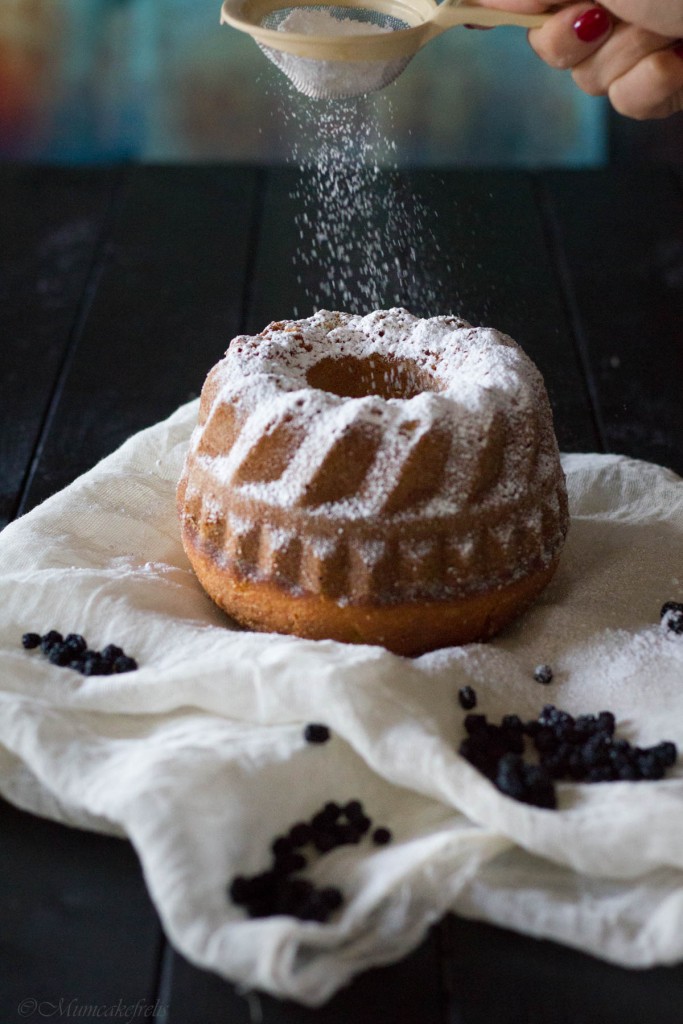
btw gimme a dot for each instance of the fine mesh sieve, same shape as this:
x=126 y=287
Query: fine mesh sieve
x=330 y=78
x=349 y=48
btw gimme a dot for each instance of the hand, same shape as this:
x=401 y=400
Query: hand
x=628 y=50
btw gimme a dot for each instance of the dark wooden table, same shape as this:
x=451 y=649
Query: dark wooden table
x=119 y=289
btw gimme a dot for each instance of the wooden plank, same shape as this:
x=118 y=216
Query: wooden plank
x=644 y=142
x=276 y=293
x=155 y=325
x=77 y=926
x=167 y=303
x=504 y=276
x=51 y=226
x=496 y=976
x=491 y=231
x=404 y=993
x=621 y=236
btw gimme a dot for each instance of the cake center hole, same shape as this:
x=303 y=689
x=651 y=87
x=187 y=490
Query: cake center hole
x=349 y=377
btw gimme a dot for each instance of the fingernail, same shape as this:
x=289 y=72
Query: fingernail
x=678 y=49
x=592 y=24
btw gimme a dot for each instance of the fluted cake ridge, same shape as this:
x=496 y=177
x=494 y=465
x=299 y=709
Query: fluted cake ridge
x=381 y=458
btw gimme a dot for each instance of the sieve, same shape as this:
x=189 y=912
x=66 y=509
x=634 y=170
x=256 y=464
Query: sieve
x=351 y=47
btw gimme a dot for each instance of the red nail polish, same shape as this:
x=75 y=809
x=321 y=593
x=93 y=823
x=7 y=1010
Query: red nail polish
x=592 y=24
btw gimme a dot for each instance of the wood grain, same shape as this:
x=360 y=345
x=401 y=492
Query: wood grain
x=119 y=289
x=52 y=230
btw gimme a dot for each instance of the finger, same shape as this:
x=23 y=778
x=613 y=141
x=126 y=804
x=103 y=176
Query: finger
x=572 y=34
x=515 y=6
x=655 y=15
x=518 y=6
x=653 y=88
x=626 y=47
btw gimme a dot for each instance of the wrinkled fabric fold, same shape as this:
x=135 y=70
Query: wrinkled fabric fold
x=199 y=757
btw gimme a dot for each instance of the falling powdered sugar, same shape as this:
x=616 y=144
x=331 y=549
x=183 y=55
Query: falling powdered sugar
x=366 y=240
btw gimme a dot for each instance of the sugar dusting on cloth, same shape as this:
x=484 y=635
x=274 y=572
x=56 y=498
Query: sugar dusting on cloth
x=205 y=741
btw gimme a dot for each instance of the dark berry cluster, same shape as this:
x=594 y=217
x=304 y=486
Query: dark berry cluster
x=672 y=616
x=582 y=749
x=281 y=889
x=72 y=651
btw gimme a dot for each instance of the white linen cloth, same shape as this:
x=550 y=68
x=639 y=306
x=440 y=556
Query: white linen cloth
x=199 y=756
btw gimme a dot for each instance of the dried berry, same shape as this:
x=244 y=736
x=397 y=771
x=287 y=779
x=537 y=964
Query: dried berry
x=300 y=834
x=381 y=836
x=316 y=733
x=347 y=835
x=528 y=783
x=649 y=766
x=475 y=723
x=362 y=824
x=288 y=863
x=487 y=743
x=606 y=722
x=91 y=663
x=671 y=616
x=543 y=674
x=325 y=817
x=324 y=841
x=30 y=640
x=111 y=652
x=467 y=698
x=512 y=724
x=239 y=889
x=313 y=909
x=331 y=897
x=665 y=752
x=59 y=654
x=353 y=810
x=49 y=640
x=281 y=845
x=76 y=643
x=124 y=664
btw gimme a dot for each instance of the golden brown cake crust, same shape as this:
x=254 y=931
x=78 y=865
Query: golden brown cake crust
x=376 y=479
x=409 y=629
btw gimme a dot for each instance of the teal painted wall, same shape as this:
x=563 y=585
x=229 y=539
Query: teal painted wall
x=160 y=80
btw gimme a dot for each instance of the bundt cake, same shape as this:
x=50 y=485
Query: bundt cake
x=377 y=479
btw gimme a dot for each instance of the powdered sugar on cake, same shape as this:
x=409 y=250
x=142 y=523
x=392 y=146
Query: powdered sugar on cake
x=474 y=373
x=378 y=459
